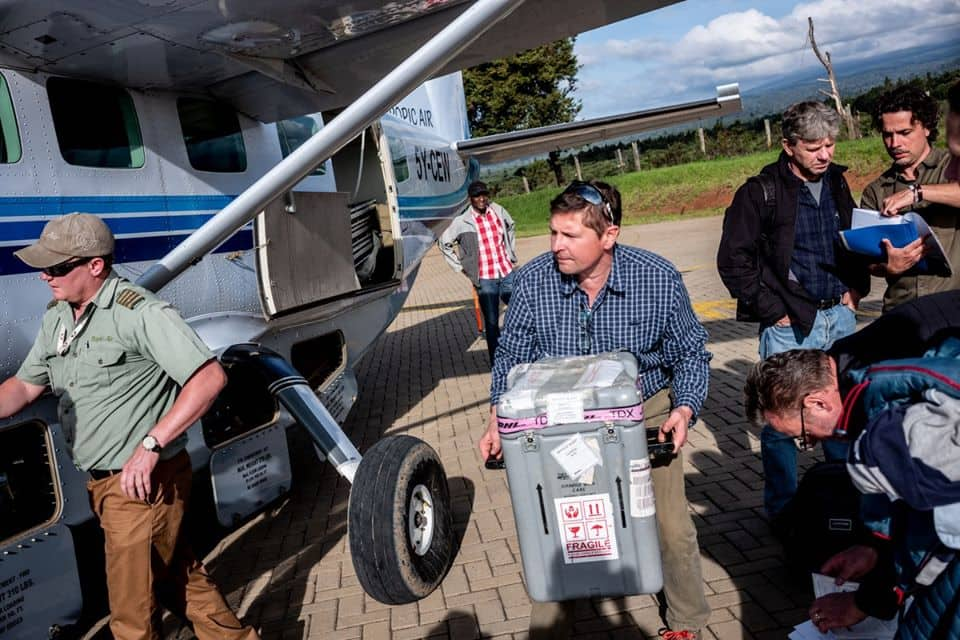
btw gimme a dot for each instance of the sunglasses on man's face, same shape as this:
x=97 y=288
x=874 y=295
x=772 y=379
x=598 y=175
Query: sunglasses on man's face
x=62 y=269
x=592 y=195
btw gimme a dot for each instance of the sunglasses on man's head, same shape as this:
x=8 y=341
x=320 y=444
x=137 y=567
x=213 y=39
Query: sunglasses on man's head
x=592 y=195
x=62 y=269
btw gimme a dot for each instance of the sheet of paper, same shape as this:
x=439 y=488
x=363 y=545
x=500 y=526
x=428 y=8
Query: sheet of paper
x=868 y=629
x=809 y=631
x=587 y=476
x=599 y=374
x=822 y=585
x=523 y=399
x=871 y=218
x=575 y=456
x=564 y=408
x=533 y=378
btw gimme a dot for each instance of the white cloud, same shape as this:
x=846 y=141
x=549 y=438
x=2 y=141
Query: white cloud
x=750 y=47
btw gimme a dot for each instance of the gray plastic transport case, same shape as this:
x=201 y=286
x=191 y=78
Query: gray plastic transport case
x=576 y=456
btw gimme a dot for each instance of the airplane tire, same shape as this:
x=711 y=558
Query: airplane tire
x=400 y=521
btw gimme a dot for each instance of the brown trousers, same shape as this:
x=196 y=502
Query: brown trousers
x=687 y=606
x=144 y=552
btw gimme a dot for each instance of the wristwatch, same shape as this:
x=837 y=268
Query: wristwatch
x=151 y=444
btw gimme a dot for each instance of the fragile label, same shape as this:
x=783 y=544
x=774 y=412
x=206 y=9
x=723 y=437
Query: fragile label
x=642 y=503
x=575 y=456
x=564 y=408
x=586 y=528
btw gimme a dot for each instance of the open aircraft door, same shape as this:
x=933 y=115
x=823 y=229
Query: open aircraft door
x=42 y=495
x=332 y=235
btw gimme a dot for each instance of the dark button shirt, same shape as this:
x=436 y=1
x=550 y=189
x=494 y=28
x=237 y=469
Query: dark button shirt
x=813 y=263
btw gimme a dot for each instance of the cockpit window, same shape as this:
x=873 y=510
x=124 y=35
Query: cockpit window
x=293 y=133
x=211 y=131
x=96 y=124
x=10 y=151
x=401 y=170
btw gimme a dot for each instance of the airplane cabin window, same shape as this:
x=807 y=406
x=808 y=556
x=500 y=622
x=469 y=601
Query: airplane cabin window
x=28 y=493
x=293 y=133
x=212 y=133
x=96 y=124
x=10 y=150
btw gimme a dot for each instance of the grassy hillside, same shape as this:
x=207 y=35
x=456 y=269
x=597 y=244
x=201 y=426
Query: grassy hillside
x=695 y=189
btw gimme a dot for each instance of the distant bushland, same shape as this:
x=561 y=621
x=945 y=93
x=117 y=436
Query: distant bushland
x=695 y=189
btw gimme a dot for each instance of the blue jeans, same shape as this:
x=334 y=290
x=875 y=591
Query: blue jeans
x=490 y=293
x=777 y=451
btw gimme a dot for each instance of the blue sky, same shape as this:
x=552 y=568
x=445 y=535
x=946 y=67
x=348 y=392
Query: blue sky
x=683 y=51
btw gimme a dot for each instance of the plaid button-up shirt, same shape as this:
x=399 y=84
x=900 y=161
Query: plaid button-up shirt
x=643 y=308
x=492 y=259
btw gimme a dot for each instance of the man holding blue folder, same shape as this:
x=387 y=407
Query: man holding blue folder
x=907 y=119
x=780 y=258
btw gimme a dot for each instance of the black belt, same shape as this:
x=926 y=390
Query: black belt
x=829 y=303
x=100 y=474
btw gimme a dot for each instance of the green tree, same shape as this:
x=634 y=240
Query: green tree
x=530 y=89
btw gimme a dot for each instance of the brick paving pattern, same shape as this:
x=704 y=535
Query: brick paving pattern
x=289 y=570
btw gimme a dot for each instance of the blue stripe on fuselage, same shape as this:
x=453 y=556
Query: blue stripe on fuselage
x=168 y=220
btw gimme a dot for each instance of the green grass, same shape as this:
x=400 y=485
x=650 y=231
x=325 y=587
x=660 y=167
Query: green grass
x=689 y=190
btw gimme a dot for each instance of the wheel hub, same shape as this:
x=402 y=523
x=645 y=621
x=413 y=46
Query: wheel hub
x=420 y=520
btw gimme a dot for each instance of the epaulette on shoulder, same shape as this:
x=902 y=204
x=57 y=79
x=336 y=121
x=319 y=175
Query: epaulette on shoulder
x=52 y=304
x=129 y=298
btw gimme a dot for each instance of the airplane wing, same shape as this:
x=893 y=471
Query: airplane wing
x=520 y=144
x=270 y=60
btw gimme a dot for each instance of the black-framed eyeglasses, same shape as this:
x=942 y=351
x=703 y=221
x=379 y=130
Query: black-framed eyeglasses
x=585 y=319
x=803 y=444
x=62 y=269
x=592 y=195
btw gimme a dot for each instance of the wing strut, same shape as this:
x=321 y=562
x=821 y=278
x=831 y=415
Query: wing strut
x=412 y=72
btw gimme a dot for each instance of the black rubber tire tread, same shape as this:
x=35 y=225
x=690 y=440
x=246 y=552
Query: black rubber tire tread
x=387 y=567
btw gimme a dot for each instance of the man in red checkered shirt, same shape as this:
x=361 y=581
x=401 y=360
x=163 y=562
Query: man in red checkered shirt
x=480 y=243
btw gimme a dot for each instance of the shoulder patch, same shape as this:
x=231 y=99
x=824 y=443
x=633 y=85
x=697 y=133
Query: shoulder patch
x=128 y=298
x=52 y=304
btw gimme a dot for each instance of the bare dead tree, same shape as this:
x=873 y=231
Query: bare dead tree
x=834 y=92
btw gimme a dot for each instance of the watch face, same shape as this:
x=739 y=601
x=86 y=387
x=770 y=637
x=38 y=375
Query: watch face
x=150 y=443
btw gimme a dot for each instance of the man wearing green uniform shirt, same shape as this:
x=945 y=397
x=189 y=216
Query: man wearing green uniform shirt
x=131 y=377
x=907 y=119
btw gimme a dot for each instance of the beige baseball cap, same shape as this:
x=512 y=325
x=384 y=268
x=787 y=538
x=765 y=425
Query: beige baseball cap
x=75 y=235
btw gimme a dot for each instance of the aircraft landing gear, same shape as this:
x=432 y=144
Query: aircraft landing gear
x=399 y=513
x=400 y=521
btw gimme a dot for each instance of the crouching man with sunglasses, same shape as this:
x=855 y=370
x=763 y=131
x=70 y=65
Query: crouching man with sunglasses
x=893 y=390
x=590 y=295
x=131 y=376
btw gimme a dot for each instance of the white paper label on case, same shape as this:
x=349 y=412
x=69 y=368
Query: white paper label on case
x=564 y=408
x=575 y=456
x=642 y=504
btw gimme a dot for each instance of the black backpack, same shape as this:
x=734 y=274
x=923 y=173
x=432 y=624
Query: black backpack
x=823 y=518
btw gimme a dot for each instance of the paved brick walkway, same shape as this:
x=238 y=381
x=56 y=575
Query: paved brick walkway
x=290 y=571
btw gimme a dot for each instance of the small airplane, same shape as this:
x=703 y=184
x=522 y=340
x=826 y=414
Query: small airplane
x=275 y=173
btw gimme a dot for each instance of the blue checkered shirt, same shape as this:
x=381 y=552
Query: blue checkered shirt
x=643 y=308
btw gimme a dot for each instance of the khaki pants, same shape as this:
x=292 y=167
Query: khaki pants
x=143 y=553
x=687 y=606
